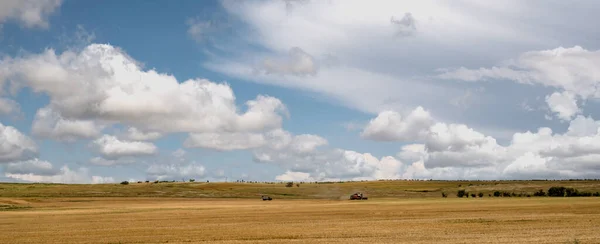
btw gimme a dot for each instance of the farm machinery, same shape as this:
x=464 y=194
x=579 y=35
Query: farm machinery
x=358 y=196
x=266 y=198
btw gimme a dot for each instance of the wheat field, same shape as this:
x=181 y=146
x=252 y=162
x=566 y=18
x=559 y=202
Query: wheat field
x=382 y=220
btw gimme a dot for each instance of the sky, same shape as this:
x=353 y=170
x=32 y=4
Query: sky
x=298 y=90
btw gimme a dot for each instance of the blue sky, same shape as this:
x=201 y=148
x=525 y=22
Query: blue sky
x=355 y=90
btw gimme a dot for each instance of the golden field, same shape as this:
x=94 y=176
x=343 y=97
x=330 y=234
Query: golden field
x=396 y=212
x=176 y=220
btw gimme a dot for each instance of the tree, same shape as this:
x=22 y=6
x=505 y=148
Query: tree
x=125 y=182
x=480 y=194
x=497 y=193
x=289 y=184
x=460 y=193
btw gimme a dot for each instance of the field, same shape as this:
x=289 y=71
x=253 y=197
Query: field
x=396 y=212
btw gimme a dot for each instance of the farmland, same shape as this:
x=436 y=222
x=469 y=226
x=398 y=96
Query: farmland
x=396 y=212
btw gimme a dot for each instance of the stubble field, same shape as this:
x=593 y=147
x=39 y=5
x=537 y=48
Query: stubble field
x=42 y=218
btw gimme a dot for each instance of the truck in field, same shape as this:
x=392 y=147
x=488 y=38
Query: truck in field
x=358 y=196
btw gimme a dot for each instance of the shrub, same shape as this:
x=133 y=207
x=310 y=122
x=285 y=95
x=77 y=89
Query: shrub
x=473 y=195
x=597 y=194
x=444 y=195
x=192 y=180
x=125 y=183
x=506 y=194
x=490 y=195
x=571 y=192
x=289 y=184
x=540 y=193
x=556 y=191
x=480 y=194
x=497 y=193
x=460 y=193
x=297 y=185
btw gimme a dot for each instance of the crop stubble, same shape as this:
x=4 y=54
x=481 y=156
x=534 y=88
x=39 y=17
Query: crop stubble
x=173 y=220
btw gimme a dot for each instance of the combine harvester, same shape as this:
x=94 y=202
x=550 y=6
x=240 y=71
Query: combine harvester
x=358 y=196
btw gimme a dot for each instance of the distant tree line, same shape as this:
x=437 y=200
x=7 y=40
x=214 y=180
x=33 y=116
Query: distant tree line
x=555 y=191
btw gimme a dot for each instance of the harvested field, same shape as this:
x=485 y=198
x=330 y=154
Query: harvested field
x=204 y=220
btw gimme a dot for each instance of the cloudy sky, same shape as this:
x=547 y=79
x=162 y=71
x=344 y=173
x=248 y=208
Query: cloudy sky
x=94 y=92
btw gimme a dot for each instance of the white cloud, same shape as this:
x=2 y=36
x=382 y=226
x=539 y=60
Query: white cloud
x=198 y=29
x=455 y=151
x=50 y=124
x=192 y=170
x=225 y=141
x=563 y=104
x=112 y=161
x=33 y=166
x=14 y=146
x=135 y=134
x=102 y=83
x=111 y=147
x=29 y=13
x=8 y=106
x=179 y=153
x=573 y=70
x=64 y=175
x=297 y=62
x=294 y=176
x=390 y=126
x=305 y=155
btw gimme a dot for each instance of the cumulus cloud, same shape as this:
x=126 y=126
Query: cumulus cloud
x=102 y=83
x=391 y=126
x=564 y=105
x=302 y=156
x=306 y=155
x=192 y=170
x=29 y=13
x=32 y=166
x=14 y=146
x=42 y=171
x=50 y=124
x=135 y=134
x=455 y=151
x=111 y=147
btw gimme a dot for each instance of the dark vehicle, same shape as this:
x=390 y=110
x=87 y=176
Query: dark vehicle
x=358 y=196
x=266 y=198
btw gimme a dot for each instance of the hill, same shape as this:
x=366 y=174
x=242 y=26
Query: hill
x=322 y=190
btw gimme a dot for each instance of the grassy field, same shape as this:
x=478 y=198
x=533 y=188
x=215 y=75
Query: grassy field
x=188 y=220
x=376 y=189
x=396 y=212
